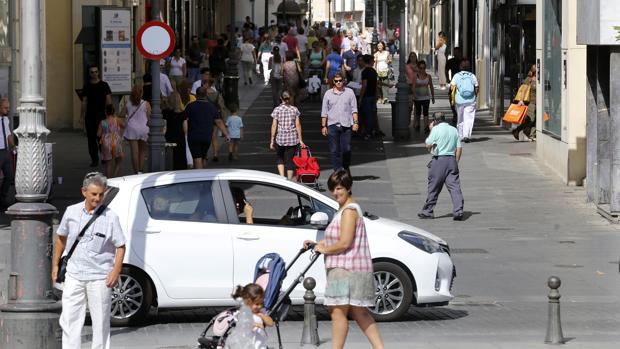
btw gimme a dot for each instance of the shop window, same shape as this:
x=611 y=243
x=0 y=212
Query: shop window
x=552 y=82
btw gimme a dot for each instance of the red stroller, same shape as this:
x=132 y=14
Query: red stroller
x=308 y=170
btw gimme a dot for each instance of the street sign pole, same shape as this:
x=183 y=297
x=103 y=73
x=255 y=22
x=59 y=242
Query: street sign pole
x=157 y=141
x=155 y=40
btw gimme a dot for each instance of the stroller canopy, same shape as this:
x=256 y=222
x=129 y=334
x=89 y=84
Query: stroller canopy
x=272 y=269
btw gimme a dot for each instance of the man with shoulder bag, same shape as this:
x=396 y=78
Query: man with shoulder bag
x=92 y=242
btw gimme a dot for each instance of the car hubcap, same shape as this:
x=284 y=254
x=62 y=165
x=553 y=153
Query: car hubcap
x=388 y=293
x=127 y=297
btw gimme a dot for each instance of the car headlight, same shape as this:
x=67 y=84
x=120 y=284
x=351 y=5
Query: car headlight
x=421 y=242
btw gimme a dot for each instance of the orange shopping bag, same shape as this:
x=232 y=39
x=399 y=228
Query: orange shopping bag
x=515 y=114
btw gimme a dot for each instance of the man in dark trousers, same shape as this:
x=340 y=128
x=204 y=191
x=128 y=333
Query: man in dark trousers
x=444 y=144
x=7 y=143
x=96 y=94
x=453 y=66
x=338 y=121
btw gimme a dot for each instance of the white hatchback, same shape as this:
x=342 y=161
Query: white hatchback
x=188 y=247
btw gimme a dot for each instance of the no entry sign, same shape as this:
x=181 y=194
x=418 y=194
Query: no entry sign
x=155 y=40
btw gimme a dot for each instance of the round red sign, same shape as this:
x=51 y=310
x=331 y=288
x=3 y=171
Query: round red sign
x=155 y=40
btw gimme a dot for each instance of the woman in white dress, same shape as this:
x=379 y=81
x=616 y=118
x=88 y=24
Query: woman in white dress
x=440 y=51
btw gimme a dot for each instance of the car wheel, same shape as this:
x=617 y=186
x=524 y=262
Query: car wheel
x=131 y=298
x=393 y=292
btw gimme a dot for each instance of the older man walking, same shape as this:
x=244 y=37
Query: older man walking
x=338 y=119
x=444 y=144
x=94 y=266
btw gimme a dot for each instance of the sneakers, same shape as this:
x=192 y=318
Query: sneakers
x=466 y=140
x=425 y=216
x=458 y=217
x=515 y=134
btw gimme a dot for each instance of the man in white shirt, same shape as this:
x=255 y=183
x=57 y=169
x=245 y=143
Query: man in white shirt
x=302 y=43
x=7 y=143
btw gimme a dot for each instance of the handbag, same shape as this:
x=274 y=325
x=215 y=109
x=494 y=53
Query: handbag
x=524 y=90
x=302 y=81
x=64 y=260
x=515 y=114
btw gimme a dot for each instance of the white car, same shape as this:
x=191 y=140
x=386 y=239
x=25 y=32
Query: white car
x=187 y=246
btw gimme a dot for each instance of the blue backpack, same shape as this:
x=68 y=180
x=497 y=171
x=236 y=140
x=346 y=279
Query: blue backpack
x=272 y=266
x=465 y=86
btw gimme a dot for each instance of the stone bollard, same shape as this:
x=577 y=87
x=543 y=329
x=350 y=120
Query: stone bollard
x=310 y=334
x=554 y=326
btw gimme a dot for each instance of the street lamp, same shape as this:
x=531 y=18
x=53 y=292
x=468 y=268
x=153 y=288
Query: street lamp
x=329 y=13
x=30 y=318
x=157 y=140
x=231 y=76
x=401 y=117
x=375 y=33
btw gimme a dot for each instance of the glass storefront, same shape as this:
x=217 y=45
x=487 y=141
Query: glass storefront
x=552 y=67
x=5 y=47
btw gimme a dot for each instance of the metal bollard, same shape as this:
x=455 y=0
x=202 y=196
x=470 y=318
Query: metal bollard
x=310 y=334
x=554 y=326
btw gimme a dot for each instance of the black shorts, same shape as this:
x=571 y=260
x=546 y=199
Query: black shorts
x=285 y=156
x=198 y=149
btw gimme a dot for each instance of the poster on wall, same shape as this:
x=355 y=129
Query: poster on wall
x=115 y=41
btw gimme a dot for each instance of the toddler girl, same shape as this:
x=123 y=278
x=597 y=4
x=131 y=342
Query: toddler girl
x=253 y=296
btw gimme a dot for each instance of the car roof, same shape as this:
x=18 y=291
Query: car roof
x=205 y=174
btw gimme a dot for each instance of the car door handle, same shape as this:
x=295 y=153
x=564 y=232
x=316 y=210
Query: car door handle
x=247 y=236
x=150 y=231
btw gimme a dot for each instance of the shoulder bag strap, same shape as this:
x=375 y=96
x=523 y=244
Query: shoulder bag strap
x=88 y=224
x=134 y=112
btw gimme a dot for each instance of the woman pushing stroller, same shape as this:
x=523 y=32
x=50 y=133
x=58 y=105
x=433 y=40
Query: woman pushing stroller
x=350 y=287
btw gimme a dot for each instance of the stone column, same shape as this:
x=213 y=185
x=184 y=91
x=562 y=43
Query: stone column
x=614 y=129
x=401 y=116
x=30 y=318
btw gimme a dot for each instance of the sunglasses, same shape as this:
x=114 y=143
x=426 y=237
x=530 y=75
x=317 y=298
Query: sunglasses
x=338 y=81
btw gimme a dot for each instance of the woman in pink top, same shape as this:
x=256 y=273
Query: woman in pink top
x=350 y=286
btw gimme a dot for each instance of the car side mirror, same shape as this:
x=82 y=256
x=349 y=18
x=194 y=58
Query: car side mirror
x=319 y=220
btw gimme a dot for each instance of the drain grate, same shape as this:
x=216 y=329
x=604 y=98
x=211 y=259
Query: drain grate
x=568 y=265
x=406 y=194
x=501 y=228
x=566 y=242
x=520 y=154
x=469 y=250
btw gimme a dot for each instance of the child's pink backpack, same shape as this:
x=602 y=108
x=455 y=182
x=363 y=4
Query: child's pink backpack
x=223 y=320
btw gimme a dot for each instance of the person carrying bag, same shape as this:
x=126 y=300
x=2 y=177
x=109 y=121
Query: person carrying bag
x=64 y=260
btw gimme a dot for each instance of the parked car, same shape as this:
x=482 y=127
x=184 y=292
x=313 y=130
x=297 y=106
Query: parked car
x=188 y=246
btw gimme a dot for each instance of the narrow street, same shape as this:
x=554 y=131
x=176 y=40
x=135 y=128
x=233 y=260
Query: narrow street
x=522 y=226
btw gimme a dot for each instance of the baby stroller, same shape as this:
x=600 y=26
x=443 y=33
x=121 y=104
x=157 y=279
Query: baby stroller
x=269 y=273
x=308 y=170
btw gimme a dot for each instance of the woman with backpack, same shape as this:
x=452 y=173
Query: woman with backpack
x=465 y=88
